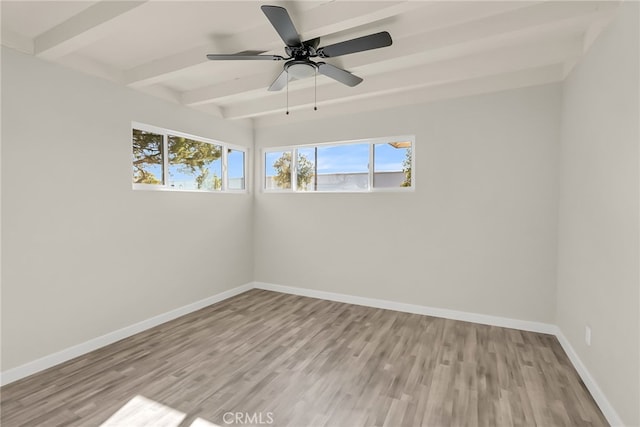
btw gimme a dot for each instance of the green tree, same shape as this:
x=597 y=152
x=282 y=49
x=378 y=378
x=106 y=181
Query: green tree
x=406 y=168
x=194 y=158
x=304 y=175
x=191 y=157
x=213 y=182
x=147 y=152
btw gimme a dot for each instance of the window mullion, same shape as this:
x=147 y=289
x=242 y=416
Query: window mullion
x=315 y=168
x=294 y=169
x=225 y=169
x=371 y=171
x=245 y=170
x=165 y=159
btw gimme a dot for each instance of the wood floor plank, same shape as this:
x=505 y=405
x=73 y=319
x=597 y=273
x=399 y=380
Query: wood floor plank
x=309 y=362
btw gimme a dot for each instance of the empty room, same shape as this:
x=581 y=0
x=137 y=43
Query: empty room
x=320 y=213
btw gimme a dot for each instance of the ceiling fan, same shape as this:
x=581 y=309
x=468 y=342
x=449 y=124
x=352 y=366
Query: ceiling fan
x=298 y=64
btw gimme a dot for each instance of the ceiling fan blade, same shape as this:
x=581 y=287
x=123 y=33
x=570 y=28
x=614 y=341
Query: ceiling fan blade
x=360 y=44
x=281 y=21
x=242 y=57
x=339 y=74
x=312 y=43
x=280 y=82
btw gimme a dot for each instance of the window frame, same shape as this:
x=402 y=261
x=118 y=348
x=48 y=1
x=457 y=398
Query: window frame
x=294 y=177
x=370 y=169
x=165 y=161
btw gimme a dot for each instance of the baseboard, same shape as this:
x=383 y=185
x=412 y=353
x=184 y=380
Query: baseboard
x=46 y=362
x=484 y=319
x=609 y=412
x=607 y=409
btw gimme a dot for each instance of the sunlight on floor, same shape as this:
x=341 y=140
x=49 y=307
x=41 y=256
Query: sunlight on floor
x=199 y=422
x=143 y=412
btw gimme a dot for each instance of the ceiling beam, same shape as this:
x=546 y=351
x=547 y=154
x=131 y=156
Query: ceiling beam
x=173 y=96
x=510 y=59
x=475 y=86
x=321 y=22
x=597 y=25
x=16 y=41
x=82 y=29
x=539 y=23
x=93 y=67
x=226 y=90
x=211 y=109
x=166 y=67
x=515 y=26
x=162 y=69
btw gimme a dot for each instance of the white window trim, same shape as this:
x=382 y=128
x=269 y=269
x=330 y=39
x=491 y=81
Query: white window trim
x=371 y=141
x=165 y=159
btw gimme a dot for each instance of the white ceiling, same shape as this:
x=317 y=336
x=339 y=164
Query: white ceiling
x=440 y=49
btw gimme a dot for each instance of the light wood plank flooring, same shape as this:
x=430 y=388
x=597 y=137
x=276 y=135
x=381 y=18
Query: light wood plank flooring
x=310 y=362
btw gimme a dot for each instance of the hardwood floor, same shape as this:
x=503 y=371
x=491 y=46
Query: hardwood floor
x=264 y=356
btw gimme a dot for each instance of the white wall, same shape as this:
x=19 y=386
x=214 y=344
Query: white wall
x=598 y=277
x=83 y=254
x=477 y=235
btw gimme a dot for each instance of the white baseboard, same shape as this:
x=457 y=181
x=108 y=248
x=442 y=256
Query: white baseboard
x=48 y=361
x=484 y=319
x=607 y=409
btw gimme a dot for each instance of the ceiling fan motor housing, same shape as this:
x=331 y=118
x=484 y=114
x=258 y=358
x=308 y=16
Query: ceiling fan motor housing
x=300 y=68
x=301 y=52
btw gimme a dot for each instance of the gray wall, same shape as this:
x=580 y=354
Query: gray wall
x=82 y=253
x=478 y=234
x=598 y=277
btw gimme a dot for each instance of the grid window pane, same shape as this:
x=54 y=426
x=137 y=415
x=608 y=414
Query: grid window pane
x=343 y=167
x=305 y=169
x=235 y=169
x=278 y=170
x=392 y=165
x=194 y=165
x=147 y=158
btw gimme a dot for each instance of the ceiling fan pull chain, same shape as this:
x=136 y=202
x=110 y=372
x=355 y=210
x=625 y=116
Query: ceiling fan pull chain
x=315 y=90
x=287 y=92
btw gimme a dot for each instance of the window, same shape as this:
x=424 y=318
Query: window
x=278 y=170
x=236 y=172
x=343 y=167
x=306 y=177
x=194 y=165
x=164 y=159
x=392 y=164
x=381 y=164
x=147 y=158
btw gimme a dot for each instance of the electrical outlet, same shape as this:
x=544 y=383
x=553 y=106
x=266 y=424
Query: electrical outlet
x=587 y=335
